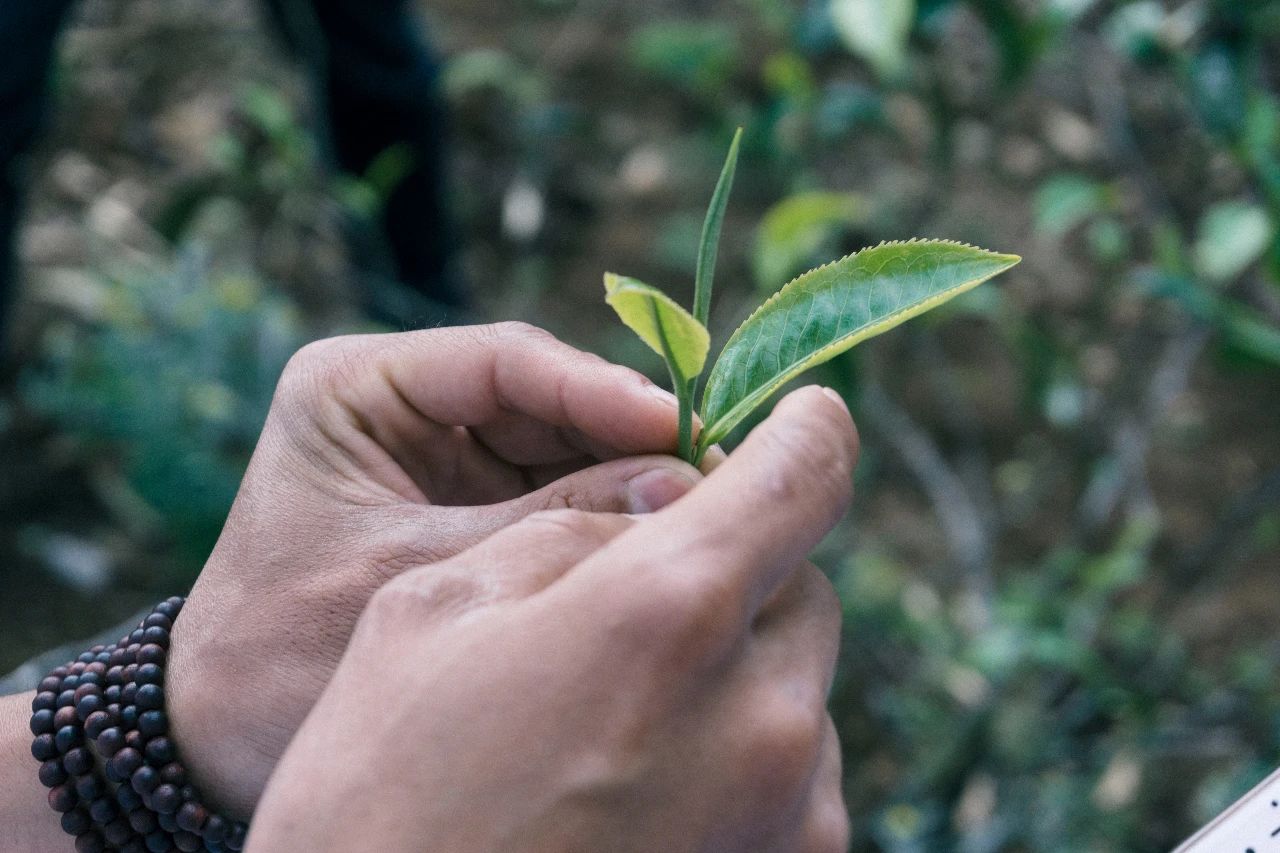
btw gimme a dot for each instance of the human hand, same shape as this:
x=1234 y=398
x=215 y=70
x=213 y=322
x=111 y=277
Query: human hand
x=381 y=453
x=594 y=682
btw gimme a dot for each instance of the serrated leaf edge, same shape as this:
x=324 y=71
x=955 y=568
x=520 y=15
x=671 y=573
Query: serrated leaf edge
x=714 y=432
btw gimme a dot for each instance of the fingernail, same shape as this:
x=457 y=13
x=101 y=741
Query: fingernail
x=663 y=394
x=652 y=490
x=831 y=392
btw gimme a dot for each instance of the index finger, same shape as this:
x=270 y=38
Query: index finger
x=529 y=397
x=745 y=528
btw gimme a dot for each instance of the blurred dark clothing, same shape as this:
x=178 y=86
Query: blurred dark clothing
x=374 y=74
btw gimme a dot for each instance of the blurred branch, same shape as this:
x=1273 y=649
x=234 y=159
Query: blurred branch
x=1243 y=512
x=967 y=536
x=1123 y=476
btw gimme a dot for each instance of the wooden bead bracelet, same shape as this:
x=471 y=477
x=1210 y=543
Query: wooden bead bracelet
x=101 y=737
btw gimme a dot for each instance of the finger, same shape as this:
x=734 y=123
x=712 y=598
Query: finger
x=640 y=484
x=529 y=397
x=796 y=637
x=825 y=827
x=744 y=528
x=532 y=553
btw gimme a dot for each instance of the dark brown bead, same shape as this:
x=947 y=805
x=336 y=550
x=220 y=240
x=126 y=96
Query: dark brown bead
x=134 y=740
x=145 y=779
x=150 y=697
x=85 y=690
x=126 y=761
x=68 y=738
x=42 y=722
x=76 y=668
x=76 y=821
x=51 y=684
x=192 y=816
x=137 y=845
x=97 y=669
x=166 y=799
x=153 y=723
x=188 y=842
x=168 y=822
x=112 y=694
x=42 y=748
x=110 y=741
x=77 y=761
x=65 y=717
x=156 y=635
x=52 y=773
x=149 y=673
x=131 y=650
x=128 y=716
x=235 y=838
x=96 y=723
x=173 y=773
x=143 y=821
x=70 y=682
x=117 y=659
x=103 y=810
x=159 y=842
x=117 y=832
x=135 y=637
x=66 y=699
x=89 y=787
x=90 y=842
x=88 y=705
x=63 y=798
x=158 y=620
x=45 y=699
x=128 y=692
x=215 y=828
x=160 y=751
x=128 y=798
x=189 y=794
x=151 y=654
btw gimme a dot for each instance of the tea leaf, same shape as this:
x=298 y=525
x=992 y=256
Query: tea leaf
x=830 y=309
x=796 y=227
x=709 y=245
x=661 y=322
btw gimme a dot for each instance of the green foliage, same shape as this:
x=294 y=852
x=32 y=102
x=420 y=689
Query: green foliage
x=661 y=322
x=795 y=229
x=876 y=31
x=1231 y=237
x=831 y=309
x=813 y=319
x=171 y=390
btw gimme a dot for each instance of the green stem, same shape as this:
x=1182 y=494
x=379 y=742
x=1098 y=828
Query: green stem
x=684 y=396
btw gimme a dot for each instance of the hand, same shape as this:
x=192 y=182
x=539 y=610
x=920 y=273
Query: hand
x=382 y=453
x=583 y=682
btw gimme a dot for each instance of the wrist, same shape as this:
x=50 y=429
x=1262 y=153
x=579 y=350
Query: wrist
x=27 y=825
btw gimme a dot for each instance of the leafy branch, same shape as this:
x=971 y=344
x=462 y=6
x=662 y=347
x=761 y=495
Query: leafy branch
x=812 y=319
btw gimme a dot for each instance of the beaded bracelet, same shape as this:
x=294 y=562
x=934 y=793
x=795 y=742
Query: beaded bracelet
x=101 y=737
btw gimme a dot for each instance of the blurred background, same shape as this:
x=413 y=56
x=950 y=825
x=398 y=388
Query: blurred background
x=1060 y=572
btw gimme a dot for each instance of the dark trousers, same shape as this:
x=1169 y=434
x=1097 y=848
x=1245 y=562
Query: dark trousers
x=375 y=76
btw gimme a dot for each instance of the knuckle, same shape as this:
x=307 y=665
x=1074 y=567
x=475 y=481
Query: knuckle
x=831 y=830
x=693 y=617
x=318 y=365
x=420 y=593
x=785 y=743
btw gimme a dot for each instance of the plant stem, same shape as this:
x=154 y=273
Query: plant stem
x=684 y=396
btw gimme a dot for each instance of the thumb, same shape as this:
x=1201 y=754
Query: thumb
x=638 y=484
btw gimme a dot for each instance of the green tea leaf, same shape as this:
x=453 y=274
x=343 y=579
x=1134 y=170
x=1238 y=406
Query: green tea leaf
x=661 y=322
x=709 y=245
x=828 y=310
